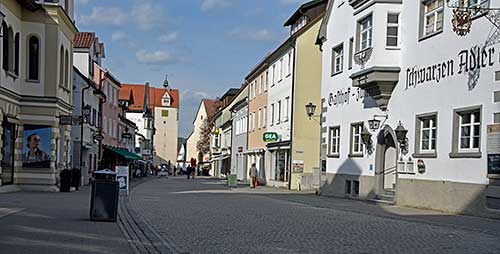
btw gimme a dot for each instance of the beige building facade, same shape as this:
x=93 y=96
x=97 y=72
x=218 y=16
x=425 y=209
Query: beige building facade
x=36 y=87
x=257 y=82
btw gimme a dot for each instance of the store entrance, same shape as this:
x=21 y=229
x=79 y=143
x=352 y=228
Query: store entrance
x=7 y=162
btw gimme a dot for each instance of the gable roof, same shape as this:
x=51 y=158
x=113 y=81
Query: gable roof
x=155 y=95
x=84 y=40
x=211 y=107
x=301 y=11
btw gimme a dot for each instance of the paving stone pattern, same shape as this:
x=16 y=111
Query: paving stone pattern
x=203 y=216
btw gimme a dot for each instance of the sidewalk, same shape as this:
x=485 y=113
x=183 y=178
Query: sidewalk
x=59 y=222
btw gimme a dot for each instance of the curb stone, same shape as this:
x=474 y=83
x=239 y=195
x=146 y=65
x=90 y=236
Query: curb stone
x=141 y=237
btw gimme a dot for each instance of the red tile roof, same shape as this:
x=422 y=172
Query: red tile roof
x=155 y=95
x=211 y=106
x=84 y=40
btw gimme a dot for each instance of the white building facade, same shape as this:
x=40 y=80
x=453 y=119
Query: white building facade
x=279 y=115
x=401 y=65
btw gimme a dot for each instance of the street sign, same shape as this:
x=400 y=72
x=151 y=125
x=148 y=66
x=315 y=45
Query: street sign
x=70 y=120
x=270 y=137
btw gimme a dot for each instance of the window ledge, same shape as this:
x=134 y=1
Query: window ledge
x=353 y=155
x=333 y=156
x=472 y=155
x=12 y=75
x=425 y=37
x=424 y=155
x=32 y=81
x=392 y=48
x=64 y=88
x=336 y=73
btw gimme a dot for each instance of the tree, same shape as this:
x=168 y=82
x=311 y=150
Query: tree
x=203 y=145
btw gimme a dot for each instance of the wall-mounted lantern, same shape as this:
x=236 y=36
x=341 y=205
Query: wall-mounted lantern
x=366 y=137
x=402 y=139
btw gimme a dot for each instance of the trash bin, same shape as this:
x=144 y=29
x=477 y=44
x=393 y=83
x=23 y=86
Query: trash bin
x=104 y=197
x=76 y=176
x=65 y=182
x=231 y=181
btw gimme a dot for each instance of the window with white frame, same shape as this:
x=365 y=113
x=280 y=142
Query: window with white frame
x=264 y=117
x=469 y=131
x=287 y=109
x=289 y=69
x=278 y=118
x=428 y=133
x=274 y=75
x=272 y=115
x=334 y=141
x=254 y=89
x=280 y=69
x=356 y=142
x=392 y=29
x=433 y=16
x=259 y=118
x=365 y=33
x=261 y=84
x=250 y=122
x=267 y=81
x=338 y=59
x=253 y=121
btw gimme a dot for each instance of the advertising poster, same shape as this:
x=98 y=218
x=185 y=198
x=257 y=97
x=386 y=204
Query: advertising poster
x=36 y=146
x=123 y=179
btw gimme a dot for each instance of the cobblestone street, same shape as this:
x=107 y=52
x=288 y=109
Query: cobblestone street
x=203 y=216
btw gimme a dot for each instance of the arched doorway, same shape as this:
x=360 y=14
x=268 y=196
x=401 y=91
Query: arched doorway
x=386 y=161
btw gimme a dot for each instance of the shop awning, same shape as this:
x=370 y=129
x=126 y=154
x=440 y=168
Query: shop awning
x=124 y=153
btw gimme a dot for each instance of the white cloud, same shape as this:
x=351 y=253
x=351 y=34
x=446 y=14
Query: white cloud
x=168 y=38
x=207 y=5
x=104 y=16
x=147 y=15
x=159 y=57
x=254 y=35
x=118 y=36
x=188 y=94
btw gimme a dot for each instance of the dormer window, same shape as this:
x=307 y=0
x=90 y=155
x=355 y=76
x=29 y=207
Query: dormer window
x=165 y=101
x=299 y=24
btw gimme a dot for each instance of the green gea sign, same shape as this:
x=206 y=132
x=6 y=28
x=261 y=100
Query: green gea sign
x=270 y=137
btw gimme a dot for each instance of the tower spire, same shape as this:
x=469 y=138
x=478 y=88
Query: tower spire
x=165 y=82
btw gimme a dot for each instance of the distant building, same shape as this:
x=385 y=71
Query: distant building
x=162 y=105
x=206 y=112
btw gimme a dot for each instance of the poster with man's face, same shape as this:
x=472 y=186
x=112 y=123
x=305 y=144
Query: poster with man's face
x=36 y=146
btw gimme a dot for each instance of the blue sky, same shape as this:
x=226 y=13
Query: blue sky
x=205 y=46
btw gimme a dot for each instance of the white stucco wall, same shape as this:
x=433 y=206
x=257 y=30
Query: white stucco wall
x=279 y=92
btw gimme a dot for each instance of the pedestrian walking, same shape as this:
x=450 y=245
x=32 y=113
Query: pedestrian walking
x=253 y=176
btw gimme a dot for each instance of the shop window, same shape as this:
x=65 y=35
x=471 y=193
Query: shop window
x=334 y=141
x=338 y=59
x=392 y=29
x=432 y=17
x=356 y=142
